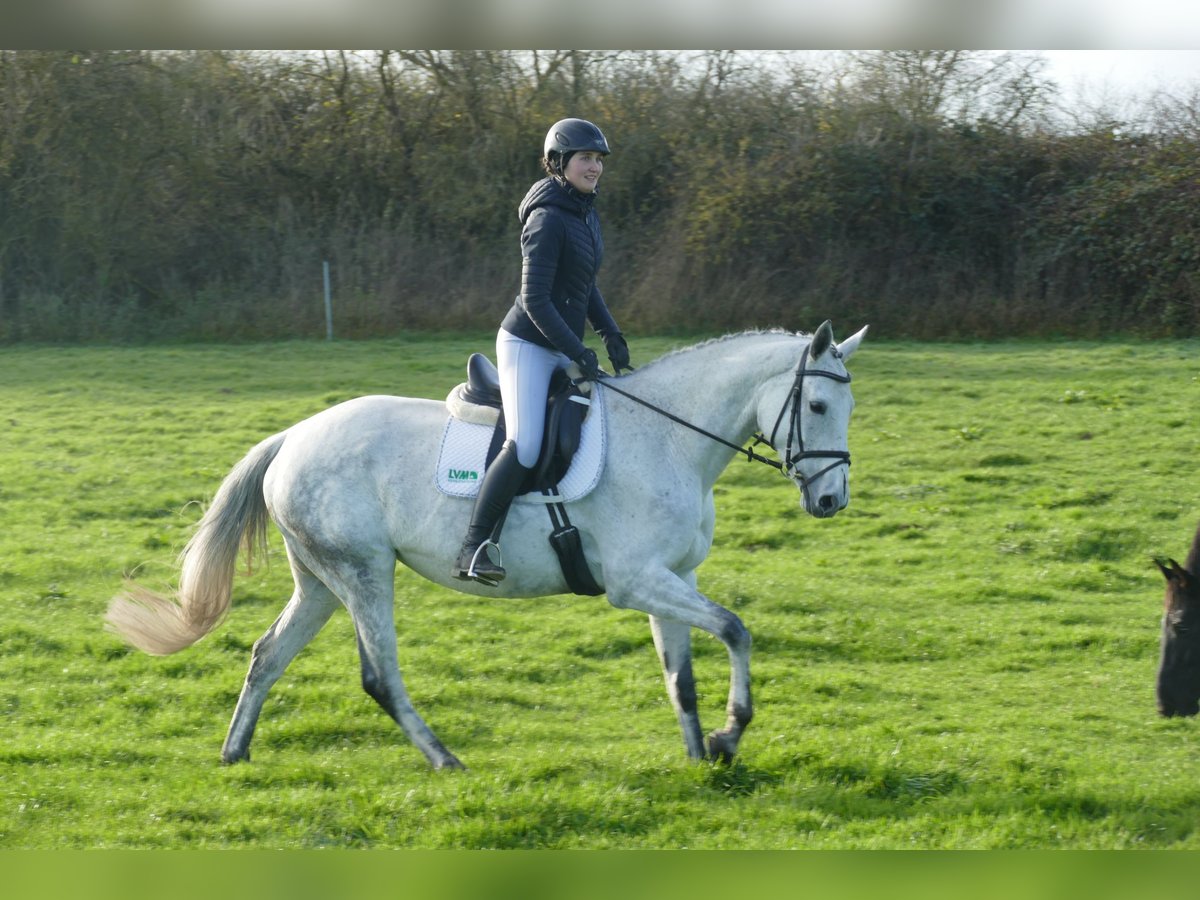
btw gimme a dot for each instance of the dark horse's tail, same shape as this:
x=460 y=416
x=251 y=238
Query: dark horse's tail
x=236 y=517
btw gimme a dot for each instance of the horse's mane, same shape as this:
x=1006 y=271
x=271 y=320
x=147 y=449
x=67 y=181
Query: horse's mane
x=725 y=338
x=1193 y=558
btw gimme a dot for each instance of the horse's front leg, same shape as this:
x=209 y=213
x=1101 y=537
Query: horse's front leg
x=672 y=599
x=722 y=744
x=673 y=641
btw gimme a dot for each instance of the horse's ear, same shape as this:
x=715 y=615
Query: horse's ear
x=822 y=340
x=850 y=344
x=1167 y=567
x=1178 y=575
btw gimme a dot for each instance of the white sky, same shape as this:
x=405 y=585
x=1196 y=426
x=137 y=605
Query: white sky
x=1122 y=72
x=762 y=24
x=1152 y=43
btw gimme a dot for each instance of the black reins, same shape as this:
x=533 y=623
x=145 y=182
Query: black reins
x=795 y=423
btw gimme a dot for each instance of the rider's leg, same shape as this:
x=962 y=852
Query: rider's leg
x=500 y=484
x=525 y=371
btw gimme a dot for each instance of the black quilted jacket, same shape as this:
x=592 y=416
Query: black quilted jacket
x=561 y=250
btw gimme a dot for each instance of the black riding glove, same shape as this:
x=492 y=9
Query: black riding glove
x=618 y=350
x=589 y=364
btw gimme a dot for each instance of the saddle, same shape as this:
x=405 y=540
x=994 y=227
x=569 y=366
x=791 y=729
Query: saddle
x=566 y=408
x=478 y=401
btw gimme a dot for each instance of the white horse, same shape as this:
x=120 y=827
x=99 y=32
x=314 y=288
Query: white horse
x=352 y=489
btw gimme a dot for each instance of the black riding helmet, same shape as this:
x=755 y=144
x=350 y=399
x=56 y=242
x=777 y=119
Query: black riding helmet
x=567 y=136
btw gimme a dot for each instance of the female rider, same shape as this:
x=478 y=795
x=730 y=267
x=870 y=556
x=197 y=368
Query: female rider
x=561 y=250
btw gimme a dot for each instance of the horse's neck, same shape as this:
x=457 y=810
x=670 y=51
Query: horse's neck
x=715 y=386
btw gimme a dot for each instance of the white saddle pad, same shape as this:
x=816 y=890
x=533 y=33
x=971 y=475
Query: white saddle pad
x=464 y=450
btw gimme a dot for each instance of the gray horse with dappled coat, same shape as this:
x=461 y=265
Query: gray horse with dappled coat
x=352 y=489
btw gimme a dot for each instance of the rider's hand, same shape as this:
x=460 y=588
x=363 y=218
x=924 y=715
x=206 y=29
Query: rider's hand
x=618 y=350
x=589 y=364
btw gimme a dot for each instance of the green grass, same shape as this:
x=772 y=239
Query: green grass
x=963 y=658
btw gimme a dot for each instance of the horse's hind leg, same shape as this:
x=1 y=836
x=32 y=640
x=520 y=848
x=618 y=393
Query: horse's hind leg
x=309 y=609
x=381 y=679
x=673 y=641
x=366 y=584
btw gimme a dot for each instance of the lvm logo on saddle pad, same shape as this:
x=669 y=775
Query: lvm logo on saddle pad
x=464 y=447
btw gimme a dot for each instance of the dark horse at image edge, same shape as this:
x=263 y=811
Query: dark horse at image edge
x=1179 y=664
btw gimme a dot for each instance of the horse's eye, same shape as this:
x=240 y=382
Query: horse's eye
x=818 y=407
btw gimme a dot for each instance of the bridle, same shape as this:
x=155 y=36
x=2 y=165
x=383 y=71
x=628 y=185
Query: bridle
x=795 y=427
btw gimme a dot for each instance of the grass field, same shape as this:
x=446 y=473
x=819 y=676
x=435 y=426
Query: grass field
x=963 y=658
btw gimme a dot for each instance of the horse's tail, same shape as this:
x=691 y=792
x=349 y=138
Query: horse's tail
x=237 y=517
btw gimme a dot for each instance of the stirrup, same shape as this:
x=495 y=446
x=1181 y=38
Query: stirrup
x=490 y=580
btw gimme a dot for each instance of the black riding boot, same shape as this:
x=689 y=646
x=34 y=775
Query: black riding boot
x=500 y=484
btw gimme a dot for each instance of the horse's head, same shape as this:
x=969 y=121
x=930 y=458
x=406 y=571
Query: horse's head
x=805 y=416
x=1179 y=664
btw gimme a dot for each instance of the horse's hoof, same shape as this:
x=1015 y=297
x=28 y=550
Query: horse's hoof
x=449 y=764
x=234 y=758
x=721 y=748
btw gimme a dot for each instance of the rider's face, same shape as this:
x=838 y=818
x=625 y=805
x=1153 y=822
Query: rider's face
x=584 y=169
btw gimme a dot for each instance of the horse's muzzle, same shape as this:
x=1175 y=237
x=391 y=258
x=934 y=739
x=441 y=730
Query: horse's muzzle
x=1169 y=709
x=823 y=506
x=1174 y=700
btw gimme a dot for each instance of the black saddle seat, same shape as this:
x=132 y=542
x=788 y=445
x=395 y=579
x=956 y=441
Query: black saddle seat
x=483 y=382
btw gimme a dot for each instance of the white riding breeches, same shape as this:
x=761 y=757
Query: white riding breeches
x=525 y=370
